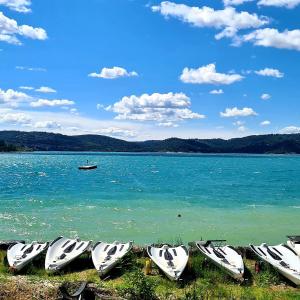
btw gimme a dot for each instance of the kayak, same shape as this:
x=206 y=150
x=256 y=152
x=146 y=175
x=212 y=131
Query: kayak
x=294 y=243
x=19 y=254
x=283 y=258
x=171 y=260
x=62 y=251
x=105 y=256
x=225 y=257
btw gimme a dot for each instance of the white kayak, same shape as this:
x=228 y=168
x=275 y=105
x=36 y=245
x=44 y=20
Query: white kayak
x=62 y=251
x=294 y=243
x=19 y=255
x=284 y=259
x=171 y=260
x=225 y=257
x=105 y=256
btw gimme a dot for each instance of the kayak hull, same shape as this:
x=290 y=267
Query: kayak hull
x=62 y=251
x=171 y=260
x=19 y=255
x=226 y=257
x=106 y=256
x=283 y=258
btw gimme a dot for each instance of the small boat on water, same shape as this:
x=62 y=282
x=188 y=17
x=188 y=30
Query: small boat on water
x=225 y=257
x=171 y=260
x=105 y=256
x=19 y=255
x=294 y=243
x=283 y=258
x=87 y=166
x=62 y=251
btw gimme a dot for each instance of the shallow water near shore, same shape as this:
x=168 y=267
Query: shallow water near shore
x=241 y=198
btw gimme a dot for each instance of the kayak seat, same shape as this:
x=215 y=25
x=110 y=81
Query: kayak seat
x=273 y=254
x=218 y=254
x=70 y=248
x=168 y=255
x=28 y=250
x=112 y=251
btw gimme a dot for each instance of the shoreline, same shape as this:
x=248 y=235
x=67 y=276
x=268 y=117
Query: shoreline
x=201 y=278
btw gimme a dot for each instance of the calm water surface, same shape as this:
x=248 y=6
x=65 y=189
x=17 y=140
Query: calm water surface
x=240 y=198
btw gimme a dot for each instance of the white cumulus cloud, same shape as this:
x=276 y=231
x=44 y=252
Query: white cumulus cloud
x=33 y=69
x=10 y=31
x=265 y=96
x=238 y=123
x=271 y=37
x=290 y=130
x=29 y=88
x=116 y=132
x=235 y=112
x=208 y=75
x=235 y=2
x=47 y=125
x=12 y=98
x=21 y=6
x=113 y=73
x=228 y=19
x=242 y=128
x=162 y=108
x=265 y=123
x=45 y=89
x=280 y=3
x=270 y=73
x=51 y=103
x=14 y=118
x=217 y=92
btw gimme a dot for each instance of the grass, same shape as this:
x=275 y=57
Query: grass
x=201 y=280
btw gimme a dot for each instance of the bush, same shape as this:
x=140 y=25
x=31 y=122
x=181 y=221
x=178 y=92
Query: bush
x=138 y=287
x=268 y=276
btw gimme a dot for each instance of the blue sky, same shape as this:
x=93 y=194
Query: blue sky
x=149 y=69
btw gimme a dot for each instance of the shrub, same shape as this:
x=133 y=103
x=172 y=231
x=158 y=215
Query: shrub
x=268 y=276
x=138 y=287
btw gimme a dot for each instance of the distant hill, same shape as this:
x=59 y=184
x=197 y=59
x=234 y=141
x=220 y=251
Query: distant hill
x=44 y=141
x=4 y=147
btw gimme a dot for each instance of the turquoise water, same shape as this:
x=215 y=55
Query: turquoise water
x=240 y=198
